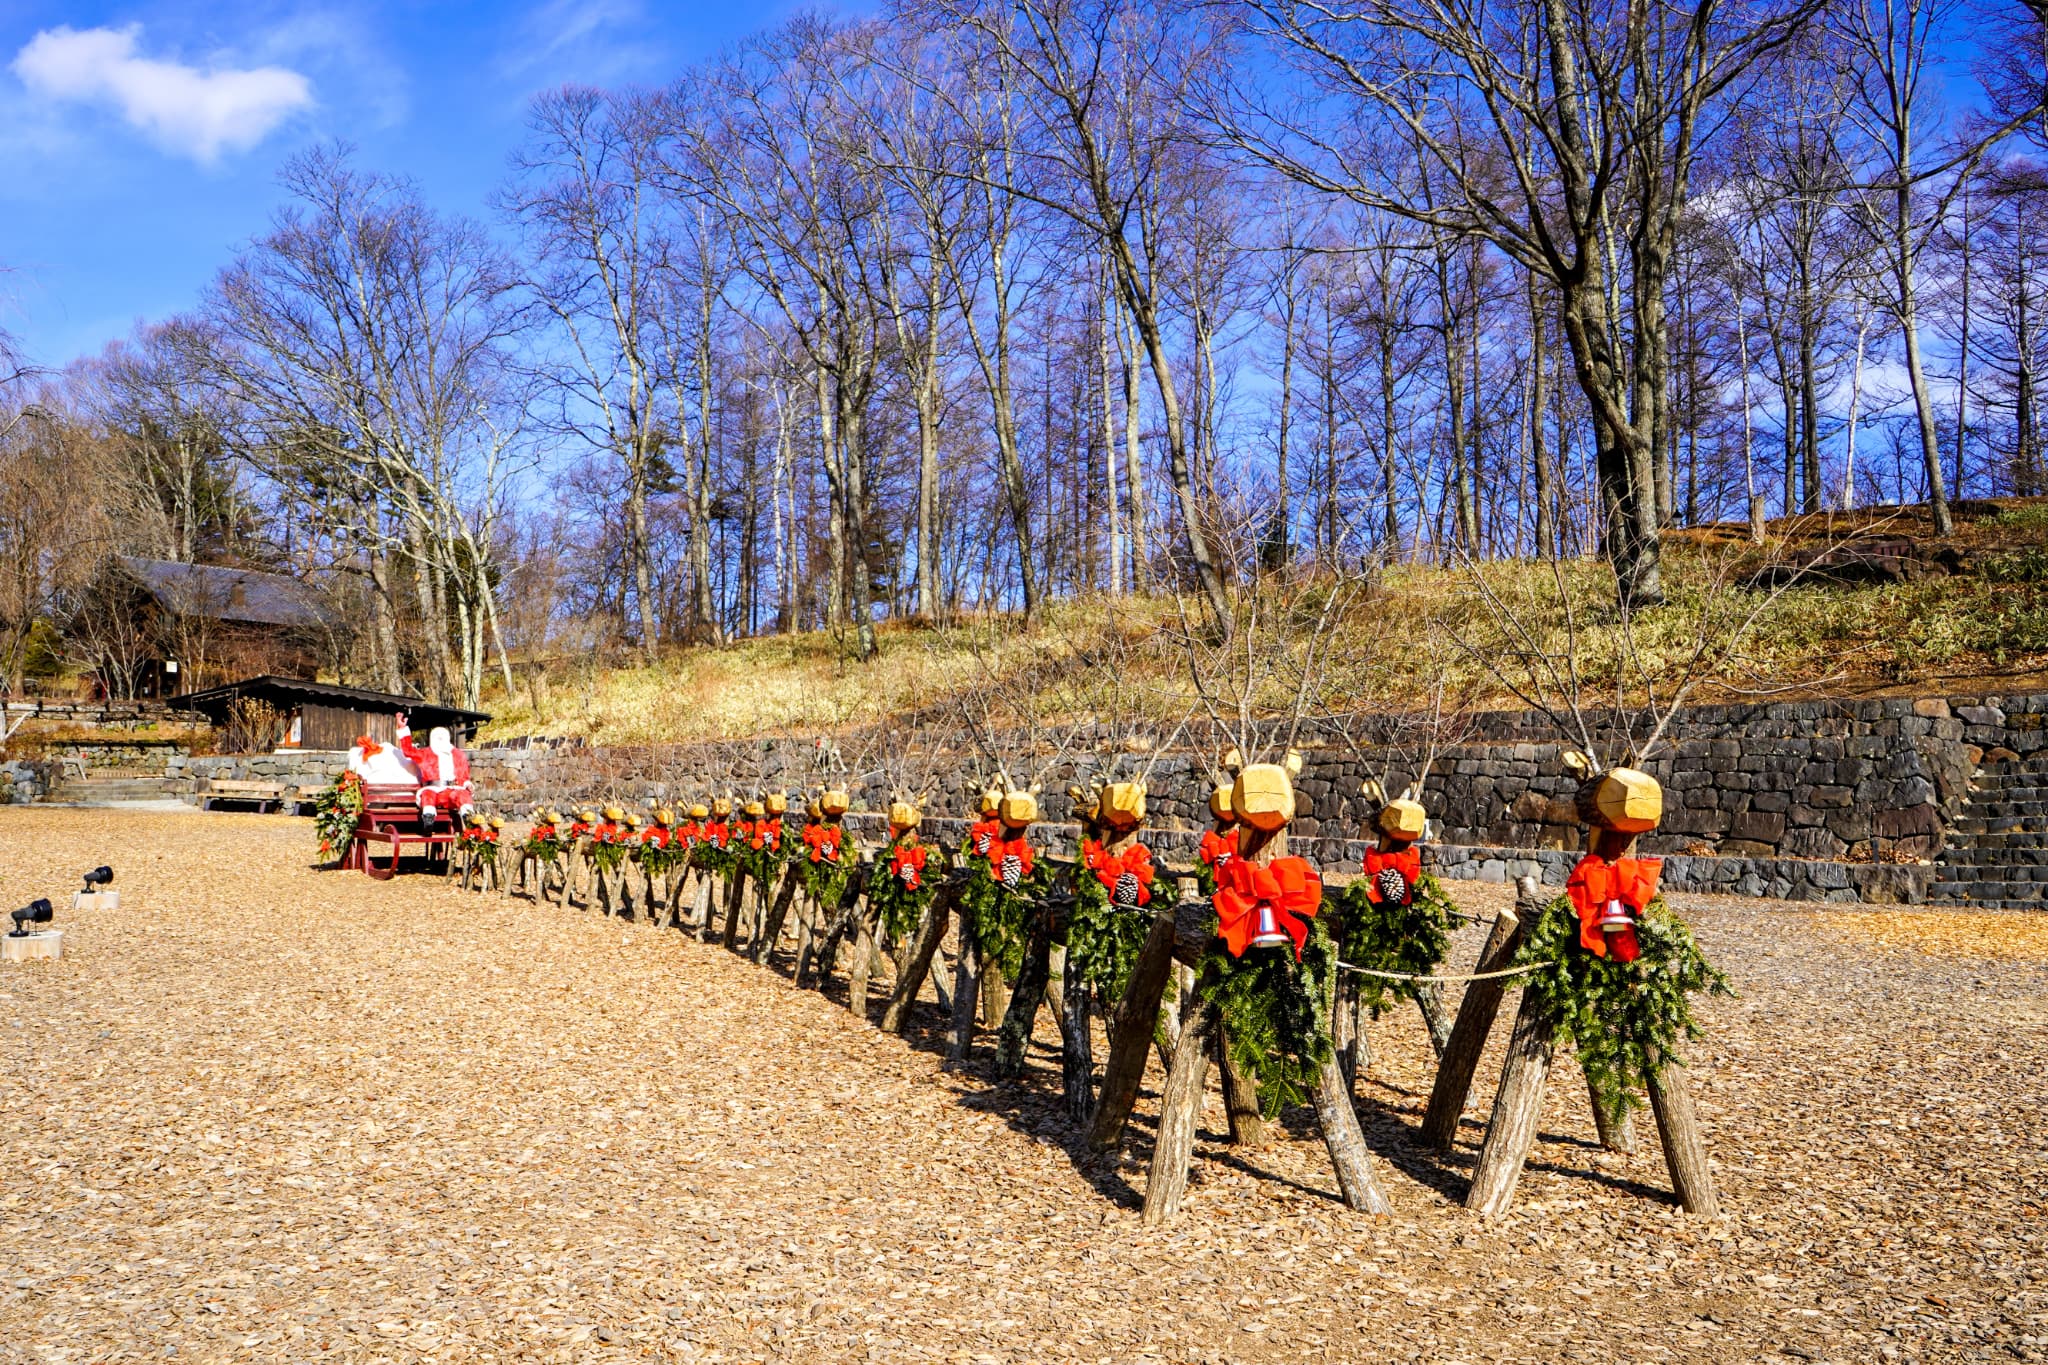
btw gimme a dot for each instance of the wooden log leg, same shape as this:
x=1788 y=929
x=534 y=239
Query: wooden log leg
x=1348 y=1024
x=966 y=990
x=995 y=995
x=1616 y=1128
x=1013 y=1041
x=1346 y=1142
x=1180 y=1114
x=861 y=968
x=1517 y=1107
x=1429 y=998
x=735 y=902
x=1460 y=1061
x=708 y=894
x=941 y=978
x=1077 y=1047
x=1685 y=1150
x=917 y=963
x=1240 y=1095
x=771 y=927
x=1130 y=1034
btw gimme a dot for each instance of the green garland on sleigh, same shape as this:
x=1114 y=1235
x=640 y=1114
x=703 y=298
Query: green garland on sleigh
x=337 y=810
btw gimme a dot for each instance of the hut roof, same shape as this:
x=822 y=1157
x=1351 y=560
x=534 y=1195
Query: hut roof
x=230 y=594
x=214 y=702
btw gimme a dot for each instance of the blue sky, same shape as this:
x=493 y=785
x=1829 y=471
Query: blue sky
x=142 y=140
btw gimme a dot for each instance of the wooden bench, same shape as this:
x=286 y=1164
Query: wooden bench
x=391 y=820
x=265 y=796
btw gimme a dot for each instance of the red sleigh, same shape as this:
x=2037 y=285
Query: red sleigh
x=391 y=821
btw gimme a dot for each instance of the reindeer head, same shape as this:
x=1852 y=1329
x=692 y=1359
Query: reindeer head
x=1018 y=806
x=904 y=816
x=1621 y=800
x=700 y=811
x=1400 y=820
x=834 y=802
x=756 y=810
x=664 y=817
x=1262 y=795
x=1120 y=806
x=721 y=806
x=777 y=803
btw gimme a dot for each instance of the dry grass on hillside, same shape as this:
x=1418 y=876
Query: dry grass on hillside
x=1985 y=629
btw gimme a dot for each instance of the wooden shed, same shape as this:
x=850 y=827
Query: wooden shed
x=269 y=712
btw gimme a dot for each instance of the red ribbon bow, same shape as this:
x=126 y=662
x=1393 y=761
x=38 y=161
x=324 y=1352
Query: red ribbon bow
x=824 y=842
x=1217 y=849
x=906 y=865
x=1110 y=868
x=769 y=833
x=718 y=832
x=984 y=834
x=1406 y=861
x=1595 y=882
x=1002 y=849
x=370 y=747
x=1289 y=886
x=655 y=835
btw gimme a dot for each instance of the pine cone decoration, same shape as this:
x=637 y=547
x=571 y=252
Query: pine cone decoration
x=1392 y=886
x=1127 y=888
x=1012 y=871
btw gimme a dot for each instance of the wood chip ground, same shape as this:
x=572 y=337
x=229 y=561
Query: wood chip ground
x=264 y=1112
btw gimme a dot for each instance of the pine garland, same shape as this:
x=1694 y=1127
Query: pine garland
x=900 y=909
x=607 y=851
x=1623 y=1020
x=825 y=882
x=1276 y=1013
x=545 y=843
x=658 y=859
x=1103 y=940
x=337 y=810
x=1385 y=936
x=1001 y=915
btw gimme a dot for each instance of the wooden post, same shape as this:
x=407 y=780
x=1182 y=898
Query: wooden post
x=923 y=948
x=1130 y=1033
x=1345 y=1138
x=1517 y=1108
x=1013 y=1041
x=1429 y=998
x=735 y=901
x=1460 y=1061
x=1180 y=1114
x=1240 y=1096
x=1685 y=1151
x=1617 y=1130
x=1077 y=1047
x=966 y=989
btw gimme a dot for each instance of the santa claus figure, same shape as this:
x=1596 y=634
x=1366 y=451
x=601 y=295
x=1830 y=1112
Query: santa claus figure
x=444 y=775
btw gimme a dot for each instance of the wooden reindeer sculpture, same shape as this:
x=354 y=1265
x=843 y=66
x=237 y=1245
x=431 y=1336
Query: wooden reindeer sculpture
x=716 y=860
x=1265 y=903
x=1395 y=920
x=999 y=935
x=1586 y=984
x=826 y=867
x=1116 y=887
x=540 y=855
x=659 y=856
x=767 y=854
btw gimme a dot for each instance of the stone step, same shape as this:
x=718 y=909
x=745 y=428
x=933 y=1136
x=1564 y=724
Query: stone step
x=2007 y=895
x=2033 y=789
x=2005 y=838
x=1975 y=826
x=1999 y=806
x=1994 y=857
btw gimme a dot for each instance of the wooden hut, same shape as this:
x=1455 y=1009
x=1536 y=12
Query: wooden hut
x=270 y=712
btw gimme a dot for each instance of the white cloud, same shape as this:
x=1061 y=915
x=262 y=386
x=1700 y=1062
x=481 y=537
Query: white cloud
x=187 y=110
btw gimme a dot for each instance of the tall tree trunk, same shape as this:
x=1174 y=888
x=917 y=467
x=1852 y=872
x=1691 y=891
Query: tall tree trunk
x=1539 y=449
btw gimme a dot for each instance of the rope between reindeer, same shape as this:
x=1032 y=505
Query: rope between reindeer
x=1430 y=976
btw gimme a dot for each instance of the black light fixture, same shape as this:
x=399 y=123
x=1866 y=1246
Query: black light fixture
x=35 y=912
x=98 y=878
